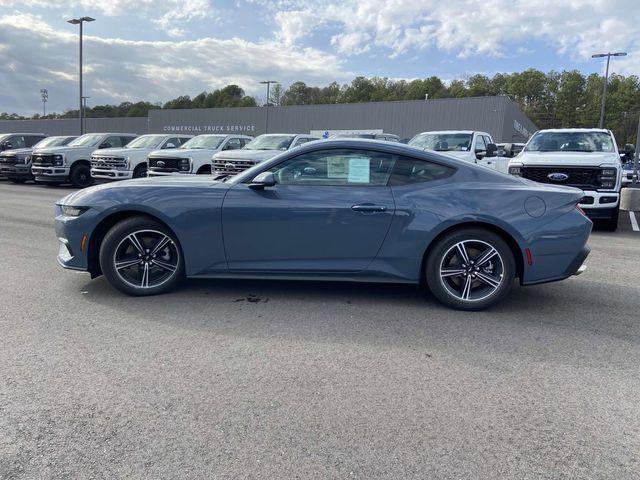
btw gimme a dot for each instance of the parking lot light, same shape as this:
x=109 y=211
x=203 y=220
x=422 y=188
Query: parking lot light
x=606 y=79
x=266 y=105
x=79 y=22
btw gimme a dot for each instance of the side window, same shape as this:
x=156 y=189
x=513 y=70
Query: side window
x=126 y=140
x=184 y=140
x=233 y=144
x=171 y=141
x=411 y=170
x=32 y=140
x=480 y=143
x=336 y=167
x=17 y=141
x=299 y=142
x=487 y=140
x=244 y=141
x=111 y=142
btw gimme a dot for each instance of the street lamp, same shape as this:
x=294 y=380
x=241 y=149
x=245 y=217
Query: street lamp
x=79 y=22
x=84 y=113
x=266 y=105
x=45 y=96
x=606 y=79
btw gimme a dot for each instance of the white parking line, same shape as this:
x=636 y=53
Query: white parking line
x=634 y=222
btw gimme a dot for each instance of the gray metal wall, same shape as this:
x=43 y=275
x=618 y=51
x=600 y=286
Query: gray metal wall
x=498 y=116
x=70 y=126
x=495 y=115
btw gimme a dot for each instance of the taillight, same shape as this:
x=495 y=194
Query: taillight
x=580 y=210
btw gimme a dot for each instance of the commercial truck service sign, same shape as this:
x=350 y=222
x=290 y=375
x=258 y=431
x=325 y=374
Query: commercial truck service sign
x=199 y=129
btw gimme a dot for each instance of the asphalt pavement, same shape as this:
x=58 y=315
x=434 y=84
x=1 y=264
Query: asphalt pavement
x=275 y=379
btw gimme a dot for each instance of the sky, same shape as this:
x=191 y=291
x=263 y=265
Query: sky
x=155 y=50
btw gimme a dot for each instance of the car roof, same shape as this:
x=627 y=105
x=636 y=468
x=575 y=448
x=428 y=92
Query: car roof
x=577 y=130
x=470 y=132
x=23 y=133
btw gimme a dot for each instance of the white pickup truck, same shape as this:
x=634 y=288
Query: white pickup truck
x=194 y=156
x=131 y=161
x=470 y=145
x=586 y=158
x=261 y=148
x=72 y=163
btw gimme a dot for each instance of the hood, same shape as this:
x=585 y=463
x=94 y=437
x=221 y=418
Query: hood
x=62 y=149
x=182 y=152
x=586 y=159
x=110 y=152
x=255 y=155
x=87 y=196
x=16 y=151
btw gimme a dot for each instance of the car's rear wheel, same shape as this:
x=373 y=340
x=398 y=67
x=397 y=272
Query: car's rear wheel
x=470 y=269
x=140 y=256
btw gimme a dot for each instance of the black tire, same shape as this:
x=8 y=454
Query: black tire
x=204 y=170
x=611 y=224
x=140 y=171
x=117 y=246
x=80 y=176
x=489 y=283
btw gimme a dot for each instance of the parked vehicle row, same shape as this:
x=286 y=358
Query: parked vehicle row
x=15 y=164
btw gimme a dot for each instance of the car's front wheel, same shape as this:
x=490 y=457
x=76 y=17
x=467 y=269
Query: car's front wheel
x=470 y=269
x=140 y=256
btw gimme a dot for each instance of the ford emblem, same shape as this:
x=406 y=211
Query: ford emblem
x=229 y=166
x=160 y=163
x=557 y=177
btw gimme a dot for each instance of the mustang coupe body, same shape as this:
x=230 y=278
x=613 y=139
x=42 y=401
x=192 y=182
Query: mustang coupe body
x=348 y=210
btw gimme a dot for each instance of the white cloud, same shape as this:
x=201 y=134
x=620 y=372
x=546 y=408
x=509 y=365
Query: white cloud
x=576 y=28
x=118 y=69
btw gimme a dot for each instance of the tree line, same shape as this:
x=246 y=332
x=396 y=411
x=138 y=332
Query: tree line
x=551 y=100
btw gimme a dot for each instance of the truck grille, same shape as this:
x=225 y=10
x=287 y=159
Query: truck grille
x=8 y=159
x=231 y=167
x=43 y=160
x=108 y=162
x=164 y=164
x=579 y=177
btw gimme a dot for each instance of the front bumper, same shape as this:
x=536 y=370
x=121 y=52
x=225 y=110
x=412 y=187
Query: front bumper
x=50 y=174
x=17 y=171
x=155 y=173
x=111 y=174
x=594 y=200
x=70 y=231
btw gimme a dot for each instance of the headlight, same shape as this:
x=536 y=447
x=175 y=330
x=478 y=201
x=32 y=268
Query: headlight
x=71 y=211
x=608 y=178
x=58 y=160
x=185 y=165
x=515 y=170
x=608 y=172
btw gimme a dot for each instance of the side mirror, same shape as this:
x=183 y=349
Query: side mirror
x=492 y=148
x=629 y=149
x=169 y=145
x=264 y=179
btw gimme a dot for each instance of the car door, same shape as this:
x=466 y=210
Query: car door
x=329 y=211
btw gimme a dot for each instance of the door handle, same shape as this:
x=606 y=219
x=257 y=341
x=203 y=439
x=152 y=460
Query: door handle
x=368 y=208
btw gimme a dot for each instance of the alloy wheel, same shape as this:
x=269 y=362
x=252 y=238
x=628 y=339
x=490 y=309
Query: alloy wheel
x=472 y=270
x=146 y=259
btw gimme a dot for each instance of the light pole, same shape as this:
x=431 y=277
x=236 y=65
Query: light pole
x=84 y=113
x=45 y=96
x=266 y=105
x=606 y=79
x=79 y=22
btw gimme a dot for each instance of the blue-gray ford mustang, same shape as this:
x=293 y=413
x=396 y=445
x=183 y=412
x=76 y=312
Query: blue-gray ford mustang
x=349 y=210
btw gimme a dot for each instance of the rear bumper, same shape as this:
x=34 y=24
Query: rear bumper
x=576 y=267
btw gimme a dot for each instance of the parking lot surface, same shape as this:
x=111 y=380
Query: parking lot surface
x=268 y=379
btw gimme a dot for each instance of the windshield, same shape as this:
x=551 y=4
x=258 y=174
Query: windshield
x=570 y=142
x=270 y=142
x=146 y=141
x=52 y=142
x=208 y=142
x=442 y=142
x=89 y=140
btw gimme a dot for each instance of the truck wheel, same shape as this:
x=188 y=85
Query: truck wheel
x=140 y=171
x=80 y=176
x=140 y=256
x=470 y=269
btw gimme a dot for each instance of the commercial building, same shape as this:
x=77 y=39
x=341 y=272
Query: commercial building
x=498 y=116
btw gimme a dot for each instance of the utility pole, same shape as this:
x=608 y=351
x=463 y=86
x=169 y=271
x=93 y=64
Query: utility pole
x=266 y=105
x=45 y=96
x=79 y=22
x=84 y=113
x=606 y=79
